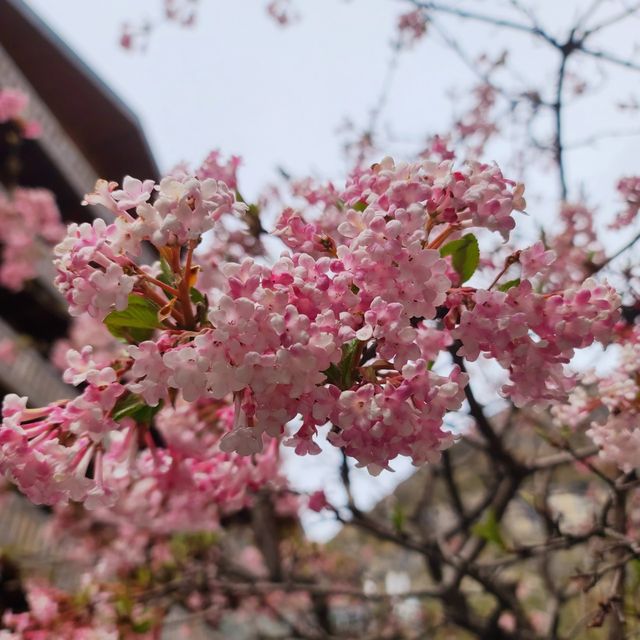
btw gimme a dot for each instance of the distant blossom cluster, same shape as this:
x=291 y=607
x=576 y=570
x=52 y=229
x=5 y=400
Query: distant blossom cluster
x=184 y=13
x=629 y=189
x=30 y=222
x=13 y=105
x=578 y=250
x=610 y=406
x=412 y=26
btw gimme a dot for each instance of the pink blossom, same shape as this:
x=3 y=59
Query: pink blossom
x=535 y=260
x=149 y=371
x=8 y=351
x=214 y=167
x=611 y=408
x=629 y=189
x=318 y=501
x=30 y=224
x=528 y=333
x=12 y=104
x=91 y=272
x=413 y=25
x=576 y=247
x=280 y=11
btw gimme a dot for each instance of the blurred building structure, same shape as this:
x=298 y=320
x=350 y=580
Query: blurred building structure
x=87 y=132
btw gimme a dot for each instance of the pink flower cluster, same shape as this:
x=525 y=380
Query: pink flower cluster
x=280 y=11
x=8 y=351
x=13 y=104
x=95 y=274
x=47 y=452
x=611 y=407
x=273 y=335
x=576 y=247
x=412 y=26
x=345 y=329
x=183 y=13
x=478 y=123
x=215 y=168
x=187 y=482
x=78 y=451
x=474 y=195
x=536 y=260
x=183 y=210
x=30 y=225
x=629 y=189
x=532 y=335
x=54 y=614
x=402 y=417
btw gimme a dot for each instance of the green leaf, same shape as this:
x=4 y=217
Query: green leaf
x=350 y=354
x=143 y=576
x=635 y=572
x=136 y=323
x=124 y=605
x=333 y=375
x=508 y=285
x=489 y=529
x=167 y=276
x=141 y=626
x=133 y=406
x=398 y=518
x=465 y=255
x=342 y=374
x=166 y=273
x=197 y=296
x=360 y=206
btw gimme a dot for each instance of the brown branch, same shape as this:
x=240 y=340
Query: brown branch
x=473 y=514
x=598 y=137
x=620 y=251
x=611 y=20
x=486 y=19
x=610 y=57
x=265 y=530
x=452 y=487
x=557 y=459
x=557 y=108
x=617 y=623
x=591 y=9
x=496 y=447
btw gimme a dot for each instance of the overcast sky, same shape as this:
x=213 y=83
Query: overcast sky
x=239 y=82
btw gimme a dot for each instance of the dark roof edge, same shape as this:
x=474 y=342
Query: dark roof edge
x=74 y=61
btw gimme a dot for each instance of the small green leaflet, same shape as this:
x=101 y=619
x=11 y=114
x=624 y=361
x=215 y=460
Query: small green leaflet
x=489 y=529
x=141 y=626
x=133 y=406
x=135 y=323
x=465 y=255
x=398 y=518
x=508 y=285
x=197 y=296
x=342 y=374
x=166 y=274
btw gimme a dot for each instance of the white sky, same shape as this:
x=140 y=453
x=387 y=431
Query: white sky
x=238 y=82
